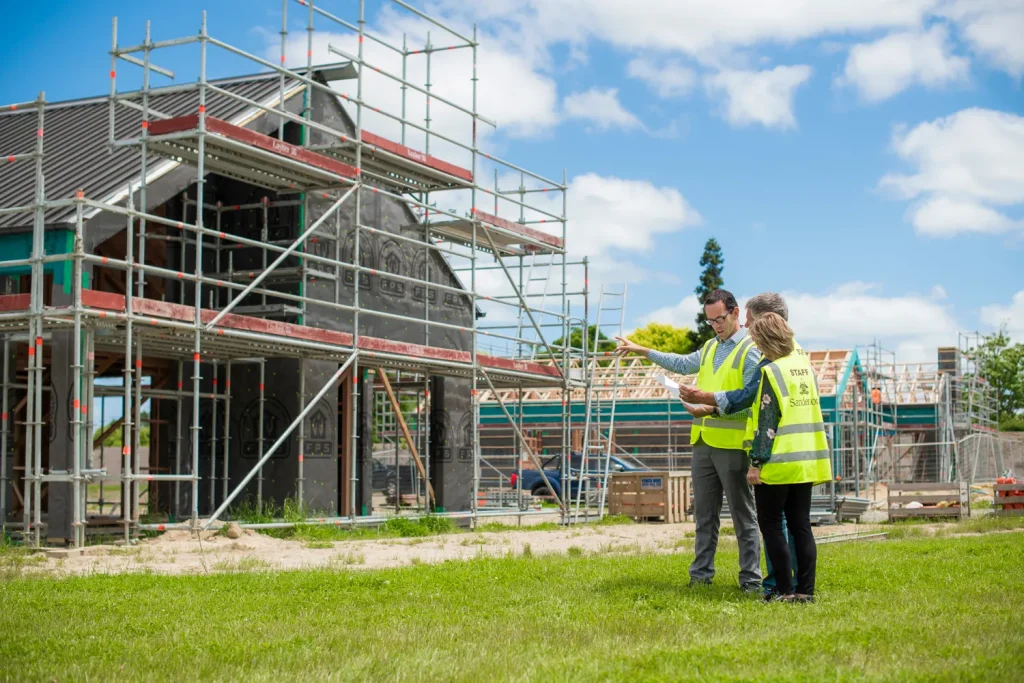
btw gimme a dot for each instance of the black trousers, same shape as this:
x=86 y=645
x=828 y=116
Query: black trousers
x=795 y=501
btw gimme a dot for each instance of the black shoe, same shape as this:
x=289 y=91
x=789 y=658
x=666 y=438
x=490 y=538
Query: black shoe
x=778 y=597
x=700 y=582
x=751 y=588
x=803 y=598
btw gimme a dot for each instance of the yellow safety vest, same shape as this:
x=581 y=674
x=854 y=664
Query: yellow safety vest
x=726 y=431
x=800 y=448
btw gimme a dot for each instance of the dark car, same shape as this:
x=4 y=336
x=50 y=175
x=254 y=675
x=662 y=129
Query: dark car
x=534 y=484
x=386 y=479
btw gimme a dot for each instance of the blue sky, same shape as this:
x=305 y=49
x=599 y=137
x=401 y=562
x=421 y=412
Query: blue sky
x=865 y=158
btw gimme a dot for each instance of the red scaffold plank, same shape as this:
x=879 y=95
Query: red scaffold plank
x=418 y=157
x=163 y=309
x=517 y=365
x=250 y=137
x=15 y=302
x=519 y=228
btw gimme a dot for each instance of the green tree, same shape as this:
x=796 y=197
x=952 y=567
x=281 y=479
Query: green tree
x=1002 y=365
x=664 y=337
x=710 y=279
x=593 y=337
x=116 y=437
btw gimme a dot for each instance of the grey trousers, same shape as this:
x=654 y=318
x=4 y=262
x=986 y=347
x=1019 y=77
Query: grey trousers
x=714 y=471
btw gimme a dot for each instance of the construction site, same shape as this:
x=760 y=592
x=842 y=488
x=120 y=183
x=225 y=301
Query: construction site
x=219 y=293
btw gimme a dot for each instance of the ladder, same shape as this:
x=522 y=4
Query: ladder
x=528 y=285
x=612 y=308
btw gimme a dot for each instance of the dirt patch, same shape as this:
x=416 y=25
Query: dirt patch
x=182 y=552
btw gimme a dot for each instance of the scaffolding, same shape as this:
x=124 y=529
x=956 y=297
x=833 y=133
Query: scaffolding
x=193 y=325
x=887 y=422
x=928 y=422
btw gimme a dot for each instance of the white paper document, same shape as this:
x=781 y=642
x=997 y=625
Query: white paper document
x=672 y=387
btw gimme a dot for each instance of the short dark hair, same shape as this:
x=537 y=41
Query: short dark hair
x=722 y=295
x=768 y=302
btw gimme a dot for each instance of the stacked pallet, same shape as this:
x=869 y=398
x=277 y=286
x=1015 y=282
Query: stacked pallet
x=650 y=496
x=1008 y=498
x=929 y=500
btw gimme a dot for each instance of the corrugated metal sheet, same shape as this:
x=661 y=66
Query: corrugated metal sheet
x=77 y=154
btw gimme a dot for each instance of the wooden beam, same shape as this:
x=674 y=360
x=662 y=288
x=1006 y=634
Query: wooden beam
x=405 y=430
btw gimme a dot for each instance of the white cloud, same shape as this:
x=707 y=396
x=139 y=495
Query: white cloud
x=1012 y=315
x=946 y=217
x=912 y=325
x=992 y=28
x=601 y=107
x=682 y=314
x=966 y=164
x=856 y=313
x=605 y=213
x=700 y=28
x=761 y=97
x=667 y=80
x=513 y=90
x=892 y=64
x=612 y=214
x=610 y=219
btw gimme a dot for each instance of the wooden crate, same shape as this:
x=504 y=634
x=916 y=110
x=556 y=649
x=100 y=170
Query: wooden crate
x=650 y=496
x=956 y=497
x=1001 y=504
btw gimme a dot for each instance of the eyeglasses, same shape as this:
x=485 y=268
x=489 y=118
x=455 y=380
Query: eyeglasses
x=719 y=320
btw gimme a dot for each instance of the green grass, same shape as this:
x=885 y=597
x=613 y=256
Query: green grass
x=925 y=528
x=908 y=609
x=399 y=527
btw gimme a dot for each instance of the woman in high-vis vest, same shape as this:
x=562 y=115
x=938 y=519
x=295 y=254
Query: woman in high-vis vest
x=788 y=455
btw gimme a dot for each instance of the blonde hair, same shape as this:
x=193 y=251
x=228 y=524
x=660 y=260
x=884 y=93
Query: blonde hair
x=773 y=336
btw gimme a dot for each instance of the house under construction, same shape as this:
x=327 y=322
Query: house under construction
x=254 y=279
x=888 y=423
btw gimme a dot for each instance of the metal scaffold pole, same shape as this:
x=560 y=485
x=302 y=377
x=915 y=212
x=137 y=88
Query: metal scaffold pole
x=197 y=299
x=357 y=259
x=4 y=433
x=474 y=398
x=77 y=441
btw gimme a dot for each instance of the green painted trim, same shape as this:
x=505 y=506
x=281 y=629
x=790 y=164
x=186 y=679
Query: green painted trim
x=19 y=246
x=69 y=245
x=853 y=362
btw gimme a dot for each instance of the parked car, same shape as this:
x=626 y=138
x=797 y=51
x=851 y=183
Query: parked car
x=534 y=484
x=386 y=479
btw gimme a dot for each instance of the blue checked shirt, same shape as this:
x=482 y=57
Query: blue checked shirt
x=689 y=364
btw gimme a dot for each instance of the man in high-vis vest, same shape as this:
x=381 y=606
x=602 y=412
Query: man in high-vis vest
x=726 y=362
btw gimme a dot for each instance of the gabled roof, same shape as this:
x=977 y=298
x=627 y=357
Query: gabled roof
x=76 y=136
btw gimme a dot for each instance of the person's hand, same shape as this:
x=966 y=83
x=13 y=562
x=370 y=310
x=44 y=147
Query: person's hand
x=754 y=476
x=688 y=394
x=698 y=411
x=627 y=347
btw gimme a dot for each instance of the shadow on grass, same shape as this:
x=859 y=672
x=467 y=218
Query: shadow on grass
x=643 y=588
